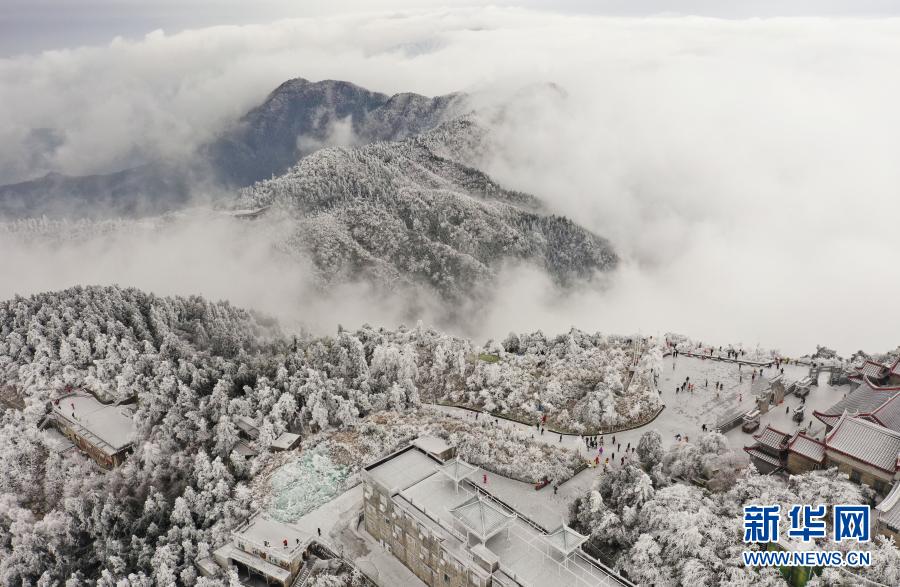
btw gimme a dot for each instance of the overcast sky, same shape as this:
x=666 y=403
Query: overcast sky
x=34 y=25
x=744 y=169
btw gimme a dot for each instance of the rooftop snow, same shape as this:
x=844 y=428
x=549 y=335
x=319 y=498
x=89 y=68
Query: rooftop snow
x=772 y=438
x=231 y=552
x=524 y=554
x=431 y=444
x=872 y=369
x=888 y=415
x=285 y=441
x=106 y=426
x=565 y=539
x=889 y=508
x=457 y=469
x=261 y=529
x=865 y=441
x=403 y=470
x=863 y=400
x=808 y=447
x=481 y=516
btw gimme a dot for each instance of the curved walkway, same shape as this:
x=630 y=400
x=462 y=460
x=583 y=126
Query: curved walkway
x=685 y=413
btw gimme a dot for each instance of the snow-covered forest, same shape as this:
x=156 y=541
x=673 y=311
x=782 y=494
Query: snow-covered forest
x=192 y=368
x=675 y=516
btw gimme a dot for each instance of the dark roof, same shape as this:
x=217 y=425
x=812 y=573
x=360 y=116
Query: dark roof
x=866 y=442
x=772 y=438
x=805 y=446
x=863 y=401
x=763 y=456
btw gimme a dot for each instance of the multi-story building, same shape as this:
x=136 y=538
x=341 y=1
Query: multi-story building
x=450 y=532
x=103 y=432
x=264 y=551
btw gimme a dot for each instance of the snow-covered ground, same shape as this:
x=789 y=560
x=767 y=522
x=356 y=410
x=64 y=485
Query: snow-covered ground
x=685 y=413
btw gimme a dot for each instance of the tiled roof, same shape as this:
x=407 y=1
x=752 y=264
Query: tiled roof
x=808 y=447
x=888 y=511
x=865 y=441
x=763 y=456
x=895 y=367
x=888 y=415
x=827 y=420
x=863 y=400
x=772 y=438
x=872 y=369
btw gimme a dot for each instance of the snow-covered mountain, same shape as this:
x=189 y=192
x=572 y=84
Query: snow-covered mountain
x=300 y=117
x=412 y=212
x=296 y=119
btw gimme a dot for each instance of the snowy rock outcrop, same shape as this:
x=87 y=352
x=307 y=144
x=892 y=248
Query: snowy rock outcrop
x=411 y=213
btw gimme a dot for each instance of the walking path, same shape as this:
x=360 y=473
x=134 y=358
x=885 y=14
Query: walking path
x=726 y=359
x=686 y=413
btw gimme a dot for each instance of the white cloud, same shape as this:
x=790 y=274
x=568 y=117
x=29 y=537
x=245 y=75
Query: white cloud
x=745 y=169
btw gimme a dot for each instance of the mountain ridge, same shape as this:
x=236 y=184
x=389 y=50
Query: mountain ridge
x=295 y=119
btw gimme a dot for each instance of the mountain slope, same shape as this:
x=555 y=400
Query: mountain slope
x=301 y=116
x=296 y=119
x=404 y=213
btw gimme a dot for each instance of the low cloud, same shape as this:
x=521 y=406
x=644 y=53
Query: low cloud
x=743 y=169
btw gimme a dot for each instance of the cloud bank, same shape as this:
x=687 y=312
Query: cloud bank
x=744 y=169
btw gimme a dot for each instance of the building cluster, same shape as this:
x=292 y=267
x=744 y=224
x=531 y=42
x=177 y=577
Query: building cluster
x=861 y=438
x=421 y=504
x=105 y=432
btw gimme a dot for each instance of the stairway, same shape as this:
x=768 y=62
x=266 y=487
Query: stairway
x=304 y=573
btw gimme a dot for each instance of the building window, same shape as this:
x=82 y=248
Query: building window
x=855 y=476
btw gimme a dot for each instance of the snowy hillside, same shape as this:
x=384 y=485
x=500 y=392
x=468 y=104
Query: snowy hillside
x=301 y=116
x=296 y=119
x=192 y=369
x=409 y=213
